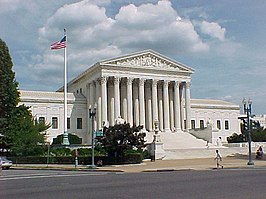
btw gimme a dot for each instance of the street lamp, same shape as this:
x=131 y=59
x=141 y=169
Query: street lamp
x=92 y=114
x=247 y=110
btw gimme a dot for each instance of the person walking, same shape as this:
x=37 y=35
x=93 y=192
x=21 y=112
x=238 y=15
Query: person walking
x=218 y=159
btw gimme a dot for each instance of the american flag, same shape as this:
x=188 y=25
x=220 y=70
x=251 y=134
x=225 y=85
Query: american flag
x=59 y=44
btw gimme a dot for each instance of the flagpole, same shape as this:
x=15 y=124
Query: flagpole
x=65 y=137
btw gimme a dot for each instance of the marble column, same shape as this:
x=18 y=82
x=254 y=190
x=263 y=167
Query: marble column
x=188 y=108
x=166 y=105
x=111 y=102
x=104 y=99
x=182 y=118
x=117 y=97
x=154 y=100
x=99 y=105
x=148 y=97
x=129 y=101
x=123 y=94
x=136 y=103
x=141 y=103
x=160 y=105
x=177 y=106
x=171 y=106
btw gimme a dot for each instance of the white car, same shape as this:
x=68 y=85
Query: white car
x=6 y=164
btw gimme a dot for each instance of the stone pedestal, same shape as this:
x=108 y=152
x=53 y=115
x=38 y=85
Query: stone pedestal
x=159 y=150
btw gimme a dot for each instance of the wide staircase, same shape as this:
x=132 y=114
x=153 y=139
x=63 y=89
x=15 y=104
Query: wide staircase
x=178 y=140
x=183 y=145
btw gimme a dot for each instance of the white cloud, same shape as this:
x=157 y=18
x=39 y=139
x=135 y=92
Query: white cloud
x=213 y=29
x=93 y=36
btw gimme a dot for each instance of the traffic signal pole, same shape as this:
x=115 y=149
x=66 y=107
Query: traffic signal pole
x=247 y=110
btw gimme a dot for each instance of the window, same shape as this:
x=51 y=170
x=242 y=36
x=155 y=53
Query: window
x=68 y=123
x=80 y=90
x=185 y=124
x=41 y=120
x=218 y=123
x=226 y=125
x=193 y=124
x=79 y=123
x=54 y=123
x=201 y=124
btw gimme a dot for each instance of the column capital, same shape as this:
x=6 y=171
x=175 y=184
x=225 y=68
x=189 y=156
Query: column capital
x=166 y=83
x=117 y=80
x=141 y=81
x=129 y=81
x=103 y=79
x=154 y=82
x=188 y=84
x=177 y=83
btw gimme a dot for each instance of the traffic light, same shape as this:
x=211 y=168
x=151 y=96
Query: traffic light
x=245 y=124
x=244 y=137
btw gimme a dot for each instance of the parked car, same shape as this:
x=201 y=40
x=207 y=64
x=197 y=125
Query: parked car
x=6 y=164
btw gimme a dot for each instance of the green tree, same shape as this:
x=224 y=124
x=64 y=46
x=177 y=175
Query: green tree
x=26 y=136
x=257 y=133
x=20 y=134
x=9 y=95
x=120 y=138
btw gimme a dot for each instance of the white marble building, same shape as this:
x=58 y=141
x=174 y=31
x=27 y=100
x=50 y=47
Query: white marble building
x=141 y=88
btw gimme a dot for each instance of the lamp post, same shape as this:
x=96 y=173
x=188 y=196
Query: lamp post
x=92 y=114
x=247 y=110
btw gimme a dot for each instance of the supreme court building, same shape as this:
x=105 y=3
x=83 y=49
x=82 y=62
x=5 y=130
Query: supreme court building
x=141 y=89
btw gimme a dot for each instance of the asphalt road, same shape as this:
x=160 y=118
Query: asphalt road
x=27 y=184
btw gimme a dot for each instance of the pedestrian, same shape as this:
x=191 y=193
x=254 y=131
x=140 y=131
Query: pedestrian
x=218 y=158
x=259 y=153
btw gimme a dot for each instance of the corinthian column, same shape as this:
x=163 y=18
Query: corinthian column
x=148 y=97
x=129 y=101
x=154 y=100
x=136 y=103
x=104 y=99
x=117 y=97
x=188 y=111
x=141 y=103
x=99 y=105
x=177 y=106
x=166 y=105
x=171 y=106
x=160 y=105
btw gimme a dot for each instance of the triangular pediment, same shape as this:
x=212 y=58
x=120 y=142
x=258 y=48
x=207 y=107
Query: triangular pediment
x=147 y=59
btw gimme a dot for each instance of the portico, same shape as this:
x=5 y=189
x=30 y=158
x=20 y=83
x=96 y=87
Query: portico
x=141 y=88
x=143 y=108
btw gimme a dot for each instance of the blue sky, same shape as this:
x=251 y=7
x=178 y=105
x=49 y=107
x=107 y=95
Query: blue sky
x=224 y=41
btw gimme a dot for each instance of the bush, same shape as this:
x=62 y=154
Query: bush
x=235 y=138
x=73 y=139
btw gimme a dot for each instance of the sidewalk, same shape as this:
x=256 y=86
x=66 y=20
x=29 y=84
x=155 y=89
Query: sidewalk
x=239 y=162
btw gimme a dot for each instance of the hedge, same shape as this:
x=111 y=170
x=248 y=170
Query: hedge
x=82 y=160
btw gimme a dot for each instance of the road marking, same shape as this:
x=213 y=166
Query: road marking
x=34 y=176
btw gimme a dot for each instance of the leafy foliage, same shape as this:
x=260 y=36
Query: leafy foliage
x=73 y=139
x=258 y=134
x=120 y=138
x=24 y=137
x=9 y=95
x=20 y=134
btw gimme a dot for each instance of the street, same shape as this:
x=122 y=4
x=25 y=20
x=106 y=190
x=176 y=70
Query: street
x=26 y=184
